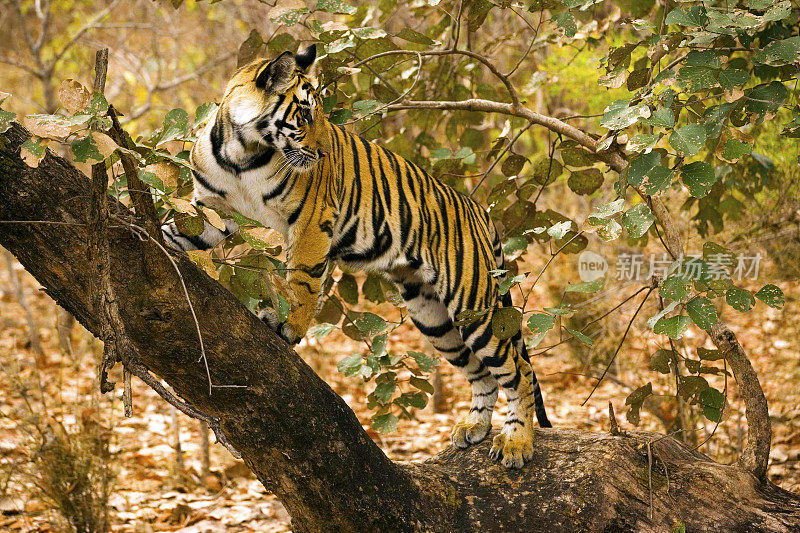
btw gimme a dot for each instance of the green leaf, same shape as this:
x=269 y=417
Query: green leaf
x=673 y=327
x=733 y=77
x=637 y=220
x=540 y=324
x=635 y=400
x=372 y=289
x=709 y=355
x=661 y=360
x=513 y=164
x=515 y=244
x=370 y=324
x=713 y=402
x=662 y=118
x=175 y=126
x=547 y=170
x=365 y=107
x=350 y=365
x=735 y=149
x=585 y=181
x=689 y=139
x=699 y=177
x=421 y=384
x=340 y=116
x=506 y=322
x=779 y=53
x=425 y=363
x=641 y=166
x=586 y=287
x=771 y=295
x=204 y=111
x=85 y=149
x=384 y=423
x=348 y=289
x=384 y=391
x=6 y=117
x=509 y=282
x=477 y=13
x=740 y=299
x=619 y=115
x=414 y=36
x=609 y=209
x=691 y=16
x=580 y=336
x=321 y=330
x=691 y=385
x=642 y=142
x=675 y=287
x=412 y=399
x=702 y=311
x=567 y=22
x=767 y=98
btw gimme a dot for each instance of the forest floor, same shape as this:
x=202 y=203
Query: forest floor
x=149 y=494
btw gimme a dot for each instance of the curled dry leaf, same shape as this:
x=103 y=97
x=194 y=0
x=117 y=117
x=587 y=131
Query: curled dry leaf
x=269 y=238
x=166 y=171
x=105 y=144
x=205 y=260
x=214 y=219
x=73 y=96
x=183 y=206
x=30 y=158
x=46 y=128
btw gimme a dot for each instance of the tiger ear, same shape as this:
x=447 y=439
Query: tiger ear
x=305 y=58
x=277 y=72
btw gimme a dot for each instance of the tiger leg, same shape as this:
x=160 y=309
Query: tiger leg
x=514 y=445
x=432 y=319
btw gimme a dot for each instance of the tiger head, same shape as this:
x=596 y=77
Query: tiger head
x=273 y=105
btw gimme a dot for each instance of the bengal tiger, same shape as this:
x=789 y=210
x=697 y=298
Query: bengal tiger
x=271 y=154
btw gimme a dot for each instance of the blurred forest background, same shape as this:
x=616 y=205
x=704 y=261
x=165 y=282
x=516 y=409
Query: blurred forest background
x=574 y=61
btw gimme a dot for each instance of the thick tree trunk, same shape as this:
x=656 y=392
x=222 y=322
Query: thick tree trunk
x=302 y=440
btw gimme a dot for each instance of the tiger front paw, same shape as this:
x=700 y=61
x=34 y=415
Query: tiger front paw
x=514 y=448
x=282 y=328
x=468 y=432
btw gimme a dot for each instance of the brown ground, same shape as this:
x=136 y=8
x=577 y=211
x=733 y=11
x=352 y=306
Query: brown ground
x=149 y=496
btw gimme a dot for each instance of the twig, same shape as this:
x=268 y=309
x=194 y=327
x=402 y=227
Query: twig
x=138 y=370
x=142 y=234
x=619 y=346
x=497 y=159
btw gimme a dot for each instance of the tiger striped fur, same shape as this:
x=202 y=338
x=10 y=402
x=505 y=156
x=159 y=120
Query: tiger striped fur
x=270 y=154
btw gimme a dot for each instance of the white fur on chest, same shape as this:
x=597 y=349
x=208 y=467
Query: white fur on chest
x=244 y=192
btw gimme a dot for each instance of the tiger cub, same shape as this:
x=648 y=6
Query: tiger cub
x=270 y=154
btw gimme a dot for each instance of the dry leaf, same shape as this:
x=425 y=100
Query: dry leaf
x=183 y=206
x=31 y=159
x=105 y=144
x=166 y=171
x=46 y=128
x=269 y=236
x=73 y=96
x=205 y=260
x=214 y=218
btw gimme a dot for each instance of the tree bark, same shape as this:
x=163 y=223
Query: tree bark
x=302 y=440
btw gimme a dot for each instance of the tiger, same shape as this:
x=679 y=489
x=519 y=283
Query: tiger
x=270 y=153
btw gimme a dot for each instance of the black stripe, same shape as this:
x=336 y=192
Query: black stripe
x=206 y=185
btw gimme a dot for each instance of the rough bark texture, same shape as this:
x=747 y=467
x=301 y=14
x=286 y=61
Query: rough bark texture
x=306 y=445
